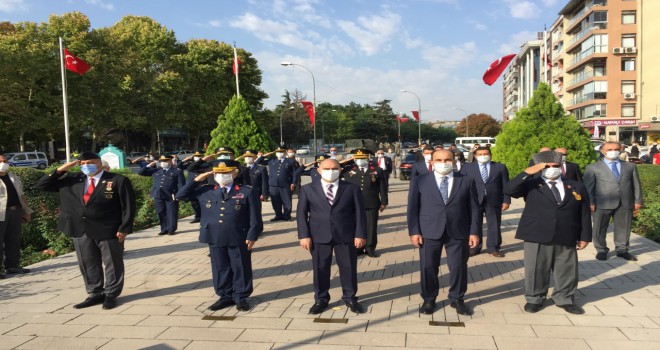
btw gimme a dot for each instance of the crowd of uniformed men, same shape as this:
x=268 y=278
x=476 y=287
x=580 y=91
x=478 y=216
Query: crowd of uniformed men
x=337 y=213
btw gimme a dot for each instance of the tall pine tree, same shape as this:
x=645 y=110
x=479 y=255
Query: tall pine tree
x=238 y=130
x=542 y=123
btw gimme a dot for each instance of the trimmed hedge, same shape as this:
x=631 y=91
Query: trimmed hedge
x=647 y=223
x=41 y=239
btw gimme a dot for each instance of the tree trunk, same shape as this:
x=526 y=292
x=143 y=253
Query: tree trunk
x=196 y=145
x=21 y=141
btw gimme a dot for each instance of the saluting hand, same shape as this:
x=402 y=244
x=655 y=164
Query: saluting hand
x=535 y=168
x=207 y=158
x=203 y=176
x=187 y=158
x=67 y=166
x=152 y=164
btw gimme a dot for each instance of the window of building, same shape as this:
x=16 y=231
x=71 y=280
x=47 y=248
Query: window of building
x=628 y=40
x=627 y=64
x=600 y=16
x=628 y=87
x=628 y=110
x=628 y=17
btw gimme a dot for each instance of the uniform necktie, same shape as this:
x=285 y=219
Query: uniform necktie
x=444 y=189
x=329 y=194
x=615 y=170
x=555 y=191
x=430 y=167
x=90 y=190
x=484 y=172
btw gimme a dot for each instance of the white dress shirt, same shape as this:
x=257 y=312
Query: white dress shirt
x=334 y=184
x=559 y=184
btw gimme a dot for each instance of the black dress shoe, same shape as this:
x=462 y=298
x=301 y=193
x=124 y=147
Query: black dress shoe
x=171 y=233
x=371 y=253
x=601 y=256
x=474 y=251
x=243 y=305
x=2 y=276
x=497 y=254
x=221 y=304
x=533 y=308
x=355 y=307
x=110 y=302
x=162 y=233
x=572 y=309
x=276 y=219
x=626 y=256
x=16 y=270
x=427 y=308
x=461 y=308
x=318 y=307
x=90 y=301
x=194 y=221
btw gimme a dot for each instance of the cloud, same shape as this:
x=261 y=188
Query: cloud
x=13 y=6
x=516 y=41
x=478 y=25
x=522 y=9
x=102 y=4
x=372 y=33
x=215 y=23
x=549 y=3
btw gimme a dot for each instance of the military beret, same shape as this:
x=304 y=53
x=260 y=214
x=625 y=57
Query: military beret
x=547 y=157
x=87 y=155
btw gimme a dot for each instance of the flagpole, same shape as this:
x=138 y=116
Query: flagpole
x=65 y=105
x=238 y=92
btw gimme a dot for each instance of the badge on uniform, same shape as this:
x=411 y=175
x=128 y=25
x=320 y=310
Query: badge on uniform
x=577 y=196
x=108 y=186
x=208 y=205
x=237 y=207
x=238 y=196
x=373 y=178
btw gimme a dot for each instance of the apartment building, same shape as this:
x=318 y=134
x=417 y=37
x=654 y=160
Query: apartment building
x=522 y=77
x=649 y=70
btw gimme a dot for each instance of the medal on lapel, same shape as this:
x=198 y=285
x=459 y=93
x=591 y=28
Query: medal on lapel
x=108 y=189
x=208 y=204
x=237 y=207
x=577 y=196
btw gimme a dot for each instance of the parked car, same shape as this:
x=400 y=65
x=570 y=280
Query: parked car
x=303 y=150
x=182 y=154
x=406 y=166
x=28 y=159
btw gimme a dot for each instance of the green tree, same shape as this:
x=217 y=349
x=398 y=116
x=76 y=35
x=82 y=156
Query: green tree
x=481 y=124
x=238 y=130
x=542 y=123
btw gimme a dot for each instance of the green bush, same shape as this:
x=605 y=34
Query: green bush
x=41 y=239
x=647 y=223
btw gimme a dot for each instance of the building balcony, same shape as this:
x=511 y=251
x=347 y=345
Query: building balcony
x=585 y=77
x=579 y=37
x=594 y=52
x=580 y=15
x=590 y=98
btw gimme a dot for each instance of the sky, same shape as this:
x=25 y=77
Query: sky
x=361 y=51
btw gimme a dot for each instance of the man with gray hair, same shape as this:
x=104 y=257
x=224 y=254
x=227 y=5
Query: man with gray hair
x=615 y=192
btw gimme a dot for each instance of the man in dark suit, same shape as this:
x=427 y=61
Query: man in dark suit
x=569 y=170
x=373 y=187
x=419 y=153
x=615 y=192
x=384 y=163
x=97 y=209
x=443 y=211
x=230 y=238
x=490 y=178
x=554 y=223
x=331 y=218
x=166 y=182
x=423 y=166
x=280 y=183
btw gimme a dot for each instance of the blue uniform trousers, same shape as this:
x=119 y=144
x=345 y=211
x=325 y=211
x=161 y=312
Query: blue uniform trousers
x=168 y=214
x=232 y=272
x=280 y=197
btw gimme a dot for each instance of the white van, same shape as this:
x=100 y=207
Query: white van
x=28 y=159
x=471 y=140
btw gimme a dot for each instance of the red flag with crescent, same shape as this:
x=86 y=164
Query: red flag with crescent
x=401 y=119
x=74 y=63
x=309 y=107
x=496 y=68
x=415 y=115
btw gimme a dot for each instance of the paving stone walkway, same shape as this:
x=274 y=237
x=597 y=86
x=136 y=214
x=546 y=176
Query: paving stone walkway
x=168 y=288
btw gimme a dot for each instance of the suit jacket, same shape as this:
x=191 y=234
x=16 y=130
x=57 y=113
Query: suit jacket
x=429 y=216
x=226 y=220
x=342 y=222
x=165 y=182
x=419 y=168
x=110 y=208
x=542 y=220
x=605 y=192
x=572 y=172
x=491 y=192
x=388 y=165
x=372 y=184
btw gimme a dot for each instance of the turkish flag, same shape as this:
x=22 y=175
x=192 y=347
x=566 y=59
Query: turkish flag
x=415 y=115
x=309 y=107
x=74 y=63
x=496 y=68
x=235 y=64
x=401 y=119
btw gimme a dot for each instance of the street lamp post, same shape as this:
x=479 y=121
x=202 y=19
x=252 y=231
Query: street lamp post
x=282 y=137
x=314 y=96
x=466 y=121
x=419 y=112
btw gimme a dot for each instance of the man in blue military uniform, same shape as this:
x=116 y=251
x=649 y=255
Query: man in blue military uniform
x=280 y=182
x=167 y=181
x=230 y=226
x=184 y=165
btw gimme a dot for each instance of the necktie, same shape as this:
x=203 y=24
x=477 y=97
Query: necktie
x=555 y=191
x=90 y=190
x=444 y=189
x=615 y=170
x=430 y=167
x=484 y=172
x=563 y=169
x=224 y=193
x=329 y=194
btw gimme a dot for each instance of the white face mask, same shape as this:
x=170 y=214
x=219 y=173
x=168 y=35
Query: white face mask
x=291 y=155
x=224 y=157
x=551 y=173
x=4 y=167
x=380 y=155
x=165 y=165
x=443 y=168
x=223 y=179
x=279 y=155
x=428 y=157
x=330 y=175
x=613 y=155
x=249 y=160
x=361 y=162
x=196 y=158
x=483 y=159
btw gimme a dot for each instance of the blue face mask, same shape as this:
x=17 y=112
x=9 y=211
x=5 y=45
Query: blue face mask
x=88 y=169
